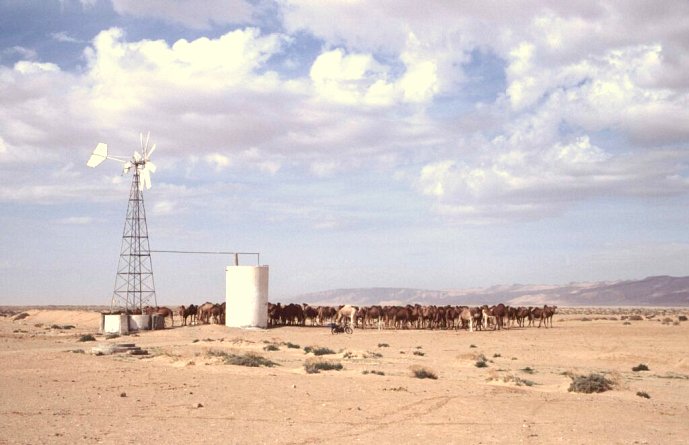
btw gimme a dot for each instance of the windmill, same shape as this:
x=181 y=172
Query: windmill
x=134 y=285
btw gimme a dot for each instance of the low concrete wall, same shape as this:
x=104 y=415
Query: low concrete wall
x=115 y=324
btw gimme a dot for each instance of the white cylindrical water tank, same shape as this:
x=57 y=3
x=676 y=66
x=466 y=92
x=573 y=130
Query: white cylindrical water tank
x=246 y=296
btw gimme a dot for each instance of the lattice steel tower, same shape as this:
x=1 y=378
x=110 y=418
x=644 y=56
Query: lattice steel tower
x=134 y=285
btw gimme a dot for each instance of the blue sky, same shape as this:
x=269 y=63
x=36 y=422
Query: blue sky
x=353 y=144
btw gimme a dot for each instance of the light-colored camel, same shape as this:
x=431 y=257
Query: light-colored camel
x=465 y=315
x=347 y=311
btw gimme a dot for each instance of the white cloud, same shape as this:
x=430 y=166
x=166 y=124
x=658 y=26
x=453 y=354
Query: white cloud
x=77 y=220
x=64 y=37
x=26 y=67
x=218 y=161
x=199 y=14
x=221 y=100
x=359 y=79
x=420 y=80
x=526 y=183
x=164 y=207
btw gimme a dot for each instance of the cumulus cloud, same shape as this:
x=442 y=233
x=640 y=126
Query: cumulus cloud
x=200 y=14
x=522 y=183
x=385 y=90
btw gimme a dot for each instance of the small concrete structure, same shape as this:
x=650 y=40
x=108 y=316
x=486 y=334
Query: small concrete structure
x=246 y=292
x=123 y=324
x=114 y=324
x=139 y=322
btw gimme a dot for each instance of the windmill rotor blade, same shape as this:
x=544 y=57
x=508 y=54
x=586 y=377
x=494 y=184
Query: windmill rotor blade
x=141 y=140
x=148 y=135
x=145 y=176
x=127 y=166
x=150 y=152
x=137 y=156
x=99 y=154
x=150 y=166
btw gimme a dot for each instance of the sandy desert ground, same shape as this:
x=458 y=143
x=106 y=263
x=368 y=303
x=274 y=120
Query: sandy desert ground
x=54 y=390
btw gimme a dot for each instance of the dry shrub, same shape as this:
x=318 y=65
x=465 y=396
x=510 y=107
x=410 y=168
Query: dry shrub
x=643 y=394
x=87 y=337
x=318 y=350
x=371 y=354
x=314 y=366
x=682 y=318
x=640 y=367
x=250 y=359
x=509 y=378
x=421 y=372
x=592 y=383
x=636 y=317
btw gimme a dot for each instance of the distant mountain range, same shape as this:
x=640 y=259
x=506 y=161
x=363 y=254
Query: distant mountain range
x=660 y=291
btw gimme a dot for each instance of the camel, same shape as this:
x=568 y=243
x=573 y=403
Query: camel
x=547 y=314
x=464 y=316
x=489 y=319
x=163 y=311
x=187 y=312
x=347 y=311
x=204 y=312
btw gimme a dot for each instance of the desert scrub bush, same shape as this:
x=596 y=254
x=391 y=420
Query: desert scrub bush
x=636 y=317
x=682 y=318
x=496 y=355
x=366 y=372
x=640 y=367
x=518 y=381
x=371 y=354
x=528 y=370
x=419 y=353
x=643 y=394
x=87 y=337
x=473 y=346
x=421 y=372
x=383 y=345
x=291 y=345
x=523 y=382
x=481 y=364
x=250 y=359
x=315 y=366
x=588 y=384
x=271 y=347
x=318 y=350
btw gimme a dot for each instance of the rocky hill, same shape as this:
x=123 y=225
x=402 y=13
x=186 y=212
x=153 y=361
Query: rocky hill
x=661 y=291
